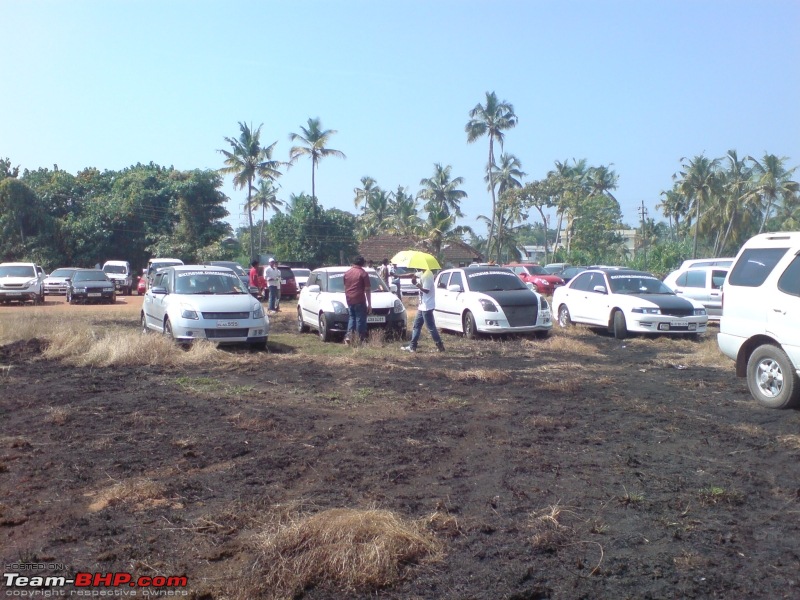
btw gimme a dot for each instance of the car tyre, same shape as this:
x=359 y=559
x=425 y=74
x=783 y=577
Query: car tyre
x=619 y=327
x=772 y=379
x=564 y=318
x=71 y=299
x=168 y=329
x=324 y=332
x=301 y=326
x=470 y=327
x=143 y=324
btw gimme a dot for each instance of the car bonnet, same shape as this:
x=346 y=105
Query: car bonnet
x=524 y=297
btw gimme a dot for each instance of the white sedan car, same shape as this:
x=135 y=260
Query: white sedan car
x=623 y=301
x=322 y=305
x=489 y=299
x=190 y=302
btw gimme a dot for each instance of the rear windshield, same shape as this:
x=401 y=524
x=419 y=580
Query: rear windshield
x=17 y=271
x=494 y=281
x=755 y=265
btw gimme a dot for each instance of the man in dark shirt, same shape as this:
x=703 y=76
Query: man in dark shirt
x=358 y=293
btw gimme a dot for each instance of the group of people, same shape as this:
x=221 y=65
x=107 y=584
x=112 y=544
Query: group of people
x=268 y=284
x=358 y=293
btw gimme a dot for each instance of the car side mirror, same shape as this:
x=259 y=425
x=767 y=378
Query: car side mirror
x=67 y=279
x=454 y=288
x=314 y=289
x=600 y=289
x=158 y=290
x=393 y=288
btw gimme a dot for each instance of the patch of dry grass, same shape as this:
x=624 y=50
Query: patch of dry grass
x=58 y=415
x=140 y=492
x=482 y=375
x=342 y=548
x=791 y=441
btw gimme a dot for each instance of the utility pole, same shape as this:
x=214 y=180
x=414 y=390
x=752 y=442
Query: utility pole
x=642 y=215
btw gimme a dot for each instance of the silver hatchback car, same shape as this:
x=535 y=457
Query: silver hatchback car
x=703 y=284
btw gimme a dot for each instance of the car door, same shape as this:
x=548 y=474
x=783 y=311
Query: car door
x=310 y=302
x=716 y=279
x=444 y=301
x=694 y=284
x=576 y=297
x=783 y=310
x=158 y=304
x=596 y=304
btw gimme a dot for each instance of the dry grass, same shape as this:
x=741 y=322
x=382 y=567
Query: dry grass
x=548 y=532
x=58 y=415
x=791 y=441
x=568 y=343
x=482 y=375
x=346 y=549
x=140 y=492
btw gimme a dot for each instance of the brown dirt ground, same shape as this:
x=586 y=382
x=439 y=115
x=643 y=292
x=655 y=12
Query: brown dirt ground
x=659 y=481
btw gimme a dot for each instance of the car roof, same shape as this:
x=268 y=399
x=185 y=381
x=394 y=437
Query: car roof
x=621 y=271
x=212 y=268
x=481 y=268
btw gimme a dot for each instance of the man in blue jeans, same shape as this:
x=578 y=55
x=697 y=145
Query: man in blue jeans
x=358 y=294
x=427 y=302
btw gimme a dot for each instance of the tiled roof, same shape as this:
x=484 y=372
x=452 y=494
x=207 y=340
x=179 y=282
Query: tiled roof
x=383 y=246
x=459 y=251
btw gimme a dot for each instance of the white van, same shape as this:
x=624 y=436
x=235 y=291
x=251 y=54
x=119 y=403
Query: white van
x=119 y=272
x=760 y=326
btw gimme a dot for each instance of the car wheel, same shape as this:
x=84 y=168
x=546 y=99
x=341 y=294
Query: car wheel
x=470 y=327
x=259 y=346
x=619 y=326
x=541 y=335
x=301 y=326
x=772 y=379
x=143 y=323
x=324 y=333
x=71 y=298
x=168 y=329
x=564 y=319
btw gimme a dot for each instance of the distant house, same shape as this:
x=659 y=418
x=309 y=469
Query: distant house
x=459 y=254
x=382 y=246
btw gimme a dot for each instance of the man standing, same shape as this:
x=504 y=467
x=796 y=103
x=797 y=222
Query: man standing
x=427 y=302
x=256 y=280
x=358 y=293
x=273 y=276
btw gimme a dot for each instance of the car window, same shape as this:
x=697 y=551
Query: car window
x=696 y=279
x=717 y=279
x=312 y=279
x=116 y=269
x=681 y=280
x=581 y=282
x=456 y=279
x=443 y=279
x=207 y=282
x=534 y=270
x=597 y=279
x=335 y=282
x=790 y=280
x=494 y=280
x=286 y=273
x=755 y=265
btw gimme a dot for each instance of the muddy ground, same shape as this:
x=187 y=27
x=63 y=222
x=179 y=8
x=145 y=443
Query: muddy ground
x=575 y=467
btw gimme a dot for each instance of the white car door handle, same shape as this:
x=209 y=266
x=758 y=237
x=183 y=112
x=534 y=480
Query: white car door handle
x=779 y=310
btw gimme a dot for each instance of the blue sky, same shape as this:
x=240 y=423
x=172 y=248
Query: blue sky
x=636 y=84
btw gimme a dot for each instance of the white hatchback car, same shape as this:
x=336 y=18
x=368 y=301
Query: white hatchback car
x=703 y=284
x=191 y=302
x=623 y=301
x=489 y=299
x=760 y=326
x=322 y=305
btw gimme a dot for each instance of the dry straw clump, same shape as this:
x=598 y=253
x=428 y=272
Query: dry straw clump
x=342 y=548
x=140 y=492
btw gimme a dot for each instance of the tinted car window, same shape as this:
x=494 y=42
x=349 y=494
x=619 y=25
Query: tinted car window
x=286 y=273
x=790 y=280
x=313 y=279
x=443 y=279
x=581 y=282
x=696 y=279
x=486 y=281
x=755 y=265
x=637 y=284
x=717 y=279
x=681 y=281
x=456 y=279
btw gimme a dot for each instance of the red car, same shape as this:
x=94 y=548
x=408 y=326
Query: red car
x=141 y=287
x=542 y=281
x=288 y=282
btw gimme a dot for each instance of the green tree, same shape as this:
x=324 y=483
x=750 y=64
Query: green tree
x=24 y=223
x=265 y=198
x=248 y=160
x=404 y=216
x=440 y=192
x=490 y=119
x=698 y=182
x=313 y=142
x=773 y=183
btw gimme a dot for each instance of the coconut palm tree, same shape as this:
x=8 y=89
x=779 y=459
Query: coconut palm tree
x=246 y=161
x=773 y=183
x=313 y=142
x=441 y=193
x=363 y=194
x=266 y=197
x=491 y=120
x=404 y=216
x=699 y=182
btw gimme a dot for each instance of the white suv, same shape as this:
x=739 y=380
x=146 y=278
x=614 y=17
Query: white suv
x=20 y=282
x=760 y=326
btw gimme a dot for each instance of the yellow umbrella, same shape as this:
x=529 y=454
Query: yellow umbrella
x=414 y=259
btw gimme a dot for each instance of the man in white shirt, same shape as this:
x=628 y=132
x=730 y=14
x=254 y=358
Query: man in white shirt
x=427 y=302
x=272 y=275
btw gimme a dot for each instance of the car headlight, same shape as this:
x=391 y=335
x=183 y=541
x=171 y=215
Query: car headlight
x=258 y=312
x=645 y=310
x=398 y=306
x=79 y=289
x=31 y=282
x=338 y=307
x=187 y=312
x=488 y=305
x=699 y=312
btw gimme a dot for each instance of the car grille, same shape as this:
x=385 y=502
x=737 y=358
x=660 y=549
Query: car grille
x=226 y=333
x=678 y=312
x=12 y=286
x=521 y=316
x=224 y=315
x=381 y=311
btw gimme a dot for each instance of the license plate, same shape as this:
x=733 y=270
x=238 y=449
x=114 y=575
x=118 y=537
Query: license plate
x=13 y=293
x=376 y=319
x=94 y=294
x=680 y=324
x=227 y=323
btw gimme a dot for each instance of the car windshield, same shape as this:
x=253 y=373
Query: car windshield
x=494 y=281
x=93 y=275
x=236 y=267
x=17 y=271
x=62 y=273
x=638 y=284
x=208 y=282
x=537 y=270
x=116 y=269
x=336 y=283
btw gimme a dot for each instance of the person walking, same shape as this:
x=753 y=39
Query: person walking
x=358 y=294
x=383 y=272
x=427 y=303
x=272 y=275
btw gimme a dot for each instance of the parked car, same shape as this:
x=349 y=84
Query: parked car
x=406 y=287
x=760 y=326
x=56 y=283
x=703 y=284
x=21 y=282
x=570 y=272
x=120 y=274
x=301 y=276
x=141 y=286
x=542 y=281
x=322 y=305
x=489 y=299
x=154 y=264
x=191 y=302
x=706 y=262
x=90 y=286
x=556 y=268
x=239 y=270
x=626 y=301
x=288 y=282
